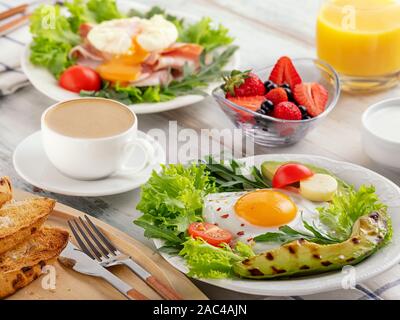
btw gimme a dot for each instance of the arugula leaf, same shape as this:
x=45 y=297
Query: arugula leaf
x=228 y=177
x=207 y=261
x=287 y=234
x=152 y=231
x=172 y=199
x=345 y=209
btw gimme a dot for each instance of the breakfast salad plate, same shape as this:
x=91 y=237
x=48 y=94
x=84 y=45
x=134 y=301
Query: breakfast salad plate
x=147 y=58
x=284 y=225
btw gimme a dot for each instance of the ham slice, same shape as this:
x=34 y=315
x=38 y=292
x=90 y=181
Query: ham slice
x=176 y=57
x=160 y=68
x=155 y=78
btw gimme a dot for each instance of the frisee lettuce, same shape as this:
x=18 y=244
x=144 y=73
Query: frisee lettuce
x=207 y=261
x=172 y=199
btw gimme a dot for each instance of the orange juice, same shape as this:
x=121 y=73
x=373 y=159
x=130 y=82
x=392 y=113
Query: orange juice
x=360 y=38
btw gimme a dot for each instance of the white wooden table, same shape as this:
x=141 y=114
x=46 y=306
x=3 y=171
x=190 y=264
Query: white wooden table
x=264 y=31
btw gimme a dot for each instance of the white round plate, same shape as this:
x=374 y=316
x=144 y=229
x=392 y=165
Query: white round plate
x=45 y=82
x=32 y=164
x=379 y=262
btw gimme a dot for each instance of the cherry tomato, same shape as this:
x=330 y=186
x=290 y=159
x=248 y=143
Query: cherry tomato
x=290 y=173
x=77 y=78
x=210 y=233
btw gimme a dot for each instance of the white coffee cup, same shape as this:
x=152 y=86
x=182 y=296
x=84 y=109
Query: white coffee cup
x=95 y=158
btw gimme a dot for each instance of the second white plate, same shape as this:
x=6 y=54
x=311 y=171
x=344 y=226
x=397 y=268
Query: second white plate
x=45 y=82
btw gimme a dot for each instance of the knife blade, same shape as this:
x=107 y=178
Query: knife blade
x=72 y=257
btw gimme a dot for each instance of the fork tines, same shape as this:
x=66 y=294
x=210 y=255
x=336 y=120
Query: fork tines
x=91 y=240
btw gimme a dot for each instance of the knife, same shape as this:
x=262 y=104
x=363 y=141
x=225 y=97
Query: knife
x=73 y=258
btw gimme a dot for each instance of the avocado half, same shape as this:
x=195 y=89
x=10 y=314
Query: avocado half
x=301 y=257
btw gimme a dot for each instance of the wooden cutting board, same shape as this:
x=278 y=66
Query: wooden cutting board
x=72 y=285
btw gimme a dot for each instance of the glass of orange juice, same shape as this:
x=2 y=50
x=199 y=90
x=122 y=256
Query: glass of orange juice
x=361 y=40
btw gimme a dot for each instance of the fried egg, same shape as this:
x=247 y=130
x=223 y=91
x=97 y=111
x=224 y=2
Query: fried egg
x=251 y=213
x=126 y=43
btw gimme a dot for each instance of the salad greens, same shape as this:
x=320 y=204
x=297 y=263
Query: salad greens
x=344 y=210
x=191 y=82
x=173 y=199
x=338 y=218
x=55 y=34
x=228 y=177
x=207 y=261
x=53 y=38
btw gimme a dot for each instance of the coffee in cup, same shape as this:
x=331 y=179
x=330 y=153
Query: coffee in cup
x=92 y=138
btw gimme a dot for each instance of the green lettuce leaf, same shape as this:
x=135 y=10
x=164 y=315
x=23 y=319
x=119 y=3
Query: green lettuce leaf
x=207 y=261
x=53 y=38
x=345 y=209
x=172 y=199
x=92 y=11
x=206 y=34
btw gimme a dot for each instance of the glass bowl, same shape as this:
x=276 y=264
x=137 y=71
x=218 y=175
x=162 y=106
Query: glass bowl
x=272 y=132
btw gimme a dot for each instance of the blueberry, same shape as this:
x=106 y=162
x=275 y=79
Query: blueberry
x=306 y=117
x=285 y=86
x=303 y=110
x=269 y=85
x=267 y=106
x=262 y=111
x=289 y=93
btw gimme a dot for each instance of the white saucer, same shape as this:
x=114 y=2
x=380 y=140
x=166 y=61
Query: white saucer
x=32 y=164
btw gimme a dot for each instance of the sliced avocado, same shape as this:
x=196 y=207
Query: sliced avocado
x=268 y=169
x=301 y=257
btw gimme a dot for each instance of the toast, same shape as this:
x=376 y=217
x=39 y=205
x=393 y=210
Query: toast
x=20 y=219
x=23 y=264
x=5 y=190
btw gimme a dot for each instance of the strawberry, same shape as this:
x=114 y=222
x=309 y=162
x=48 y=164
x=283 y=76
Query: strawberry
x=311 y=95
x=287 y=111
x=285 y=72
x=252 y=103
x=277 y=96
x=243 y=84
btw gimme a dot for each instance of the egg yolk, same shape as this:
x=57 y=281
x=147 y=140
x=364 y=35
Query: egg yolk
x=266 y=208
x=125 y=67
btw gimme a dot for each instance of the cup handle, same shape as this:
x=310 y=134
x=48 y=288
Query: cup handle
x=148 y=151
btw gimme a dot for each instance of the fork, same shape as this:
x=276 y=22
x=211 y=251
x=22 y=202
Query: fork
x=106 y=254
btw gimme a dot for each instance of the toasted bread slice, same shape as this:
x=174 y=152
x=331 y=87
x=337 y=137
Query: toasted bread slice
x=5 y=190
x=23 y=264
x=20 y=219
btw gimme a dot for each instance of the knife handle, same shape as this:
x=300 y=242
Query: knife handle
x=136 y=295
x=164 y=291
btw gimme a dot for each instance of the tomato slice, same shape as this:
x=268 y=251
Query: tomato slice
x=210 y=233
x=290 y=173
x=77 y=78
